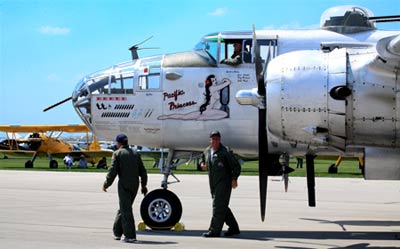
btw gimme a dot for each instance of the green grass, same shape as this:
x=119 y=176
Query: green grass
x=347 y=169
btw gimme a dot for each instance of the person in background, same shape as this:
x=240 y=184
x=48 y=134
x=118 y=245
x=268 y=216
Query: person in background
x=82 y=163
x=68 y=161
x=102 y=164
x=299 y=162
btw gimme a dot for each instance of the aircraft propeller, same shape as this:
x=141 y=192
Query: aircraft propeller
x=263 y=155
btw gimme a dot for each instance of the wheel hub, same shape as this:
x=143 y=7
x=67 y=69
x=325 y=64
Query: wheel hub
x=159 y=210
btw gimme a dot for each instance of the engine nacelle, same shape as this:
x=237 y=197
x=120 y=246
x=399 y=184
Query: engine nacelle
x=338 y=98
x=300 y=107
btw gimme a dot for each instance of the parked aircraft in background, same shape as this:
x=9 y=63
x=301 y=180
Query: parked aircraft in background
x=44 y=140
x=326 y=92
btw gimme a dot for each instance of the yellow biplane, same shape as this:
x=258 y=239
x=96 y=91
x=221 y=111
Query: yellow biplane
x=44 y=140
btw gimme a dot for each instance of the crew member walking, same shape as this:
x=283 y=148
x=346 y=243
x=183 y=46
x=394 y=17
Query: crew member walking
x=129 y=167
x=223 y=171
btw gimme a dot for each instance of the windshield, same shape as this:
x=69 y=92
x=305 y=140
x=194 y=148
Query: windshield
x=209 y=44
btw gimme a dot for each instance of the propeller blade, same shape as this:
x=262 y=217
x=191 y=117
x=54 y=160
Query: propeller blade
x=258 y=63
x=263 y=181
x=263 y=157
x=285 y=174
x=57 y=104
x=286 y=181
x=310 y=179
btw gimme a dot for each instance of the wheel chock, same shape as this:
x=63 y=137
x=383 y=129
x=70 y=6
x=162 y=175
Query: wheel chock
x=179 y=227
x=141 y=226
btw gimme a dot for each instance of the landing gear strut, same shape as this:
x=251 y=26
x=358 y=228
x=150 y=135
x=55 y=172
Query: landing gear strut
x=29 y=163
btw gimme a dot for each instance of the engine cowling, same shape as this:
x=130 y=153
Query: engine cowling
x=342 y=98
x=302 y=97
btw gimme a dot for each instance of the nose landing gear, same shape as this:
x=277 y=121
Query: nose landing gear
x=161 y=209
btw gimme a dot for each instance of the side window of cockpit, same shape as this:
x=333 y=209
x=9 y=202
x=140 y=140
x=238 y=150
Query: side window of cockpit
x=122 y=83
x=231 y=48
x=268 y=49
x=128 y=82
x=150 y=81
x=246 y=51
x=116 y=84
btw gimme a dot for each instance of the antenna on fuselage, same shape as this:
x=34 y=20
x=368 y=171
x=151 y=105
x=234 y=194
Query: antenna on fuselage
x=135 y=48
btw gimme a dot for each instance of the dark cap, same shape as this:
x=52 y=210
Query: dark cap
x=215 y=133
x=121 y=138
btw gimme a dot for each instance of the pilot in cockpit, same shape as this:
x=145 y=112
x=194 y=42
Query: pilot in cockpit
x=237 y=55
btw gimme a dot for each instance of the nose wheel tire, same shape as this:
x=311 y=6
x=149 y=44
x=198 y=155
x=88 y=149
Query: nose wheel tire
x=333 y=169
x=161 y=209
x=29 y=164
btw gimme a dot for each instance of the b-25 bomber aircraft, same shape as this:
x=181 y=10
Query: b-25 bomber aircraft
x=330 y=91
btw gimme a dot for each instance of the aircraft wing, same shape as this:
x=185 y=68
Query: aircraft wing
x=43 y=128
x=17 y=152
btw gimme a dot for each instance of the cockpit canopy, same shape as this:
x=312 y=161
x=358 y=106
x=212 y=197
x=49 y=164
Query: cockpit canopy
x=347 y=19
x=220 y=46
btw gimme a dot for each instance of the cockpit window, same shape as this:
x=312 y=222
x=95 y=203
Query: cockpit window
x=209 y=44
x=150 y=81
x=228 y=50
x=149 y=78
x=98 y=85
x=122 y=82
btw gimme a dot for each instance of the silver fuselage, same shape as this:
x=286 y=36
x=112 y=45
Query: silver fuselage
x=371 y=115
x=157 y=101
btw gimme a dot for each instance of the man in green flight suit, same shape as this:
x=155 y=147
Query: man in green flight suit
x=129 y=167
x=236 y=57
x=223 y=172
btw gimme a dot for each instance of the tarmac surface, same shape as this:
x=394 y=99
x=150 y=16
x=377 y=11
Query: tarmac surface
x=42 y=210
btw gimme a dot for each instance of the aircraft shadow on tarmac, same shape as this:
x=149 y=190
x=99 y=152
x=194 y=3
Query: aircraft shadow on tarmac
x=344 y=223
x=354 y=246
x=147 y=242
x=271 y=235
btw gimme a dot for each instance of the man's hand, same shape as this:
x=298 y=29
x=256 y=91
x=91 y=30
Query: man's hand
x=203 y=166
x=144 y=190
x=234 y=184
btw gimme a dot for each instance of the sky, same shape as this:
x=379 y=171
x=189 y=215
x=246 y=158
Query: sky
x=47 y=46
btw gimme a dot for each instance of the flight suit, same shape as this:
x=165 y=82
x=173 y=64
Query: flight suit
x=222 y=169
x=235 y=59
x=129 y=167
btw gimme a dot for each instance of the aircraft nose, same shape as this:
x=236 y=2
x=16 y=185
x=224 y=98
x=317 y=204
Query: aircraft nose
x=81 y=101
x=92 y=85
x=117 y=79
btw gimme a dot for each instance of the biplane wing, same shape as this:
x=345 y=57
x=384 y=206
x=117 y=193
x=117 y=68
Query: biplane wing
x=43 y=128
x=44 y=140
